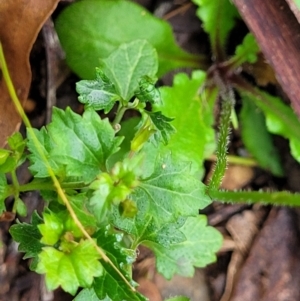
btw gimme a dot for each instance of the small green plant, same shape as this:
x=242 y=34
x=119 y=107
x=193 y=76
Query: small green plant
x=104 y=200
x=111 y=186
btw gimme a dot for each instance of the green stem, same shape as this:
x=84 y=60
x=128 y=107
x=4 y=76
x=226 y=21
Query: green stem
x=16 y=189
x=41 y=184
x=282 y=198
x=122 y=109
x=227 y=97
x=120 y=113
x=48 y=185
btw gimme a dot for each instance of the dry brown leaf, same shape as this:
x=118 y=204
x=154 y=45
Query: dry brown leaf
x=262 y=72
x=20 y=24
x=237 y=176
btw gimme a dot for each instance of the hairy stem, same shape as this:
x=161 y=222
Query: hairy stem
x=227 y=97
x=281 y=198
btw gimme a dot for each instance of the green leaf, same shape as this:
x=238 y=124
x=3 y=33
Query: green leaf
x=193 y=118
x=145 y=129
x=11 y=159
x=144 y=228
x=28 y=236
x=82 y=144
x=165 y=130
x=58 y=225
x=128 y=63
x=3 y=192
x=4 y=154
x=21 y=207
x=100 y=94
x=110 y=283
x=218 y=17
x=70 y=270
x=38 y=166
x=280 y=118
x=257 y=138
x=127 y=131
x=198 y=250
x=52 y=228
x=17 y=143
x=247 y=51
x=114 y=188
x=147 y=92
x=170 y=192
x=89 y=294
x=79 y=204
x=105 y=25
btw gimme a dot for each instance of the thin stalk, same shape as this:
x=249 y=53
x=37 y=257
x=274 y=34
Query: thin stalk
x=122 y=109
x=56 y=183
x=47 y=185
x=227 y=97
x=281 y=198
x=41 y=184
x=16 y=190
x=119 y=115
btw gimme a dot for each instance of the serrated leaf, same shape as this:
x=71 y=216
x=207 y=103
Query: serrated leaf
x=170 y=192
x=257 y=138
x=128 y=63
x=104 y=26
x=114 y=188
x=193 y=118
x=100 y=93
x=3 y=191
x=198 y=250
x=165 y=130
x=28 y=236
x=79 y=204
x=247 y=51
x=82 y=144
x=14 y=157
x=4 y=154
x=38 y=167
x=16 y=142
x=280 y=118
x=110 y=283
x=52 y=227
x=147 y=92
x=144 y=228
x=11 y=159
x=70 y=270
x=218 y=17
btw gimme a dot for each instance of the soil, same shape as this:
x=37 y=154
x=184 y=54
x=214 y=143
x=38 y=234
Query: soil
x=259 y=259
